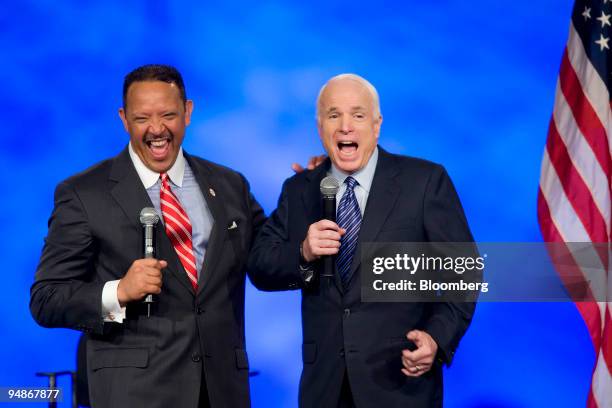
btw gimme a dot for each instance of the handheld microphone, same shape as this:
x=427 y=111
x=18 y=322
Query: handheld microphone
x=329 y=188
x=149 y=220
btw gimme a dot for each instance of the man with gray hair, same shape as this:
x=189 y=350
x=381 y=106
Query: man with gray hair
x=355 y=353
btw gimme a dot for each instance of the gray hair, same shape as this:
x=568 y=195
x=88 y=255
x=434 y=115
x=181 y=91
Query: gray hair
x=373 y=92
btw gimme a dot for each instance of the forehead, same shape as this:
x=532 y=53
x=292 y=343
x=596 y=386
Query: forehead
x=346 y=93
x=150 y=93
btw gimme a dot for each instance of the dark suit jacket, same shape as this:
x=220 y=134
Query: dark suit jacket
x=410 y=200
x=95 y=235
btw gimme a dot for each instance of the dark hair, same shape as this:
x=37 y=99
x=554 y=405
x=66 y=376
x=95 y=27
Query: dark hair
x=154 y=72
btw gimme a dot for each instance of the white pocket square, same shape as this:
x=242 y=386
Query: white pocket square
x=232 y=226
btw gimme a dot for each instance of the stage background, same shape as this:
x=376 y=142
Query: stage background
x=466 y=84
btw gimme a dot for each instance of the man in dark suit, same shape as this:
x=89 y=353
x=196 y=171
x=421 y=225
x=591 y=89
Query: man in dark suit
x=91 y=277
x=356 y=353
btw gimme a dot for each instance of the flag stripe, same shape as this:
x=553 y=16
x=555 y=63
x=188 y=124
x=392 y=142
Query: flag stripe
x=575 y=188
x=562 y=214
x=589 y=310
x=606 y=339
x=602 y=382
x=587 y=120
x=582 y=156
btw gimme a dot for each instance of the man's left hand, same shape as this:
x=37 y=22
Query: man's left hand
x=419 y=361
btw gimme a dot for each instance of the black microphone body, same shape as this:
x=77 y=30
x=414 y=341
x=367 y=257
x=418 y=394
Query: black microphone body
x=329 y=188
x=329 y=207
x=149 y=220
x=329 y=213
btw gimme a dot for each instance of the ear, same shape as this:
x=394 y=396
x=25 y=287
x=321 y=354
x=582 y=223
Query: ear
x=188 y=110
x=377 y=125
x=123 y=119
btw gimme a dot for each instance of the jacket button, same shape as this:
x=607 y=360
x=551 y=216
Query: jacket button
x=347 y=312
x=195 y=357
x=342 y=353
x=199 y=310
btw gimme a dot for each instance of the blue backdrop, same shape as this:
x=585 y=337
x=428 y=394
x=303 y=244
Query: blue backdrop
x=466 y=84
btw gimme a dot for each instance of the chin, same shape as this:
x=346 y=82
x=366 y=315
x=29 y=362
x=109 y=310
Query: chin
x=348 y=167
x=159 y=167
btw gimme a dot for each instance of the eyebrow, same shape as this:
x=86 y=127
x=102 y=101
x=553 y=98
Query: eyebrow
x=353 y=109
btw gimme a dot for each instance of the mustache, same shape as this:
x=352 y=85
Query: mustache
x=166 y=134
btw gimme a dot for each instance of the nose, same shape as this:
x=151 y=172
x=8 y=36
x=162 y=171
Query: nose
x=346 y=124
x=156 y=127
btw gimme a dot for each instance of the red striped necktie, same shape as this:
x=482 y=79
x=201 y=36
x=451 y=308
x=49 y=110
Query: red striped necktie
x=178 y=228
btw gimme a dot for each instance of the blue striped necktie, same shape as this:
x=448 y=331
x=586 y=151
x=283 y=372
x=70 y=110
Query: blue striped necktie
x=349 y=218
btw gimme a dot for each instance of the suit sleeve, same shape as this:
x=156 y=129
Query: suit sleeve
x=274 y=258
x=255 y=212
x=65 y=292
x=445 y=221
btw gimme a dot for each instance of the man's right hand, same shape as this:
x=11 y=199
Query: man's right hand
x=143 y=277
x=323 y=238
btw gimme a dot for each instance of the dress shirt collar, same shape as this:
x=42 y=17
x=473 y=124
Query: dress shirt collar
x=363 y=176
x=149 y=177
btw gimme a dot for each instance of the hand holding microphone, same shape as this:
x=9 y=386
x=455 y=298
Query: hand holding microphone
x=323 y=237
x=143 y=278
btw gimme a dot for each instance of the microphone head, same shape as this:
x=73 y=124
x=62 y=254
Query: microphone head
x=148 y=216
x=329 y=186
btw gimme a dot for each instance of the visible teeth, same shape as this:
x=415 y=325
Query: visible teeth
x=158 y=143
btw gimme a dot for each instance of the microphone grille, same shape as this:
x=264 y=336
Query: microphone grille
x=329 y=186
x=148 y=216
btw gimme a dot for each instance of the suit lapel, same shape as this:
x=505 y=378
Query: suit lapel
x=132 y=197
x=381 y=200
x=128 y=190
x=209 y=190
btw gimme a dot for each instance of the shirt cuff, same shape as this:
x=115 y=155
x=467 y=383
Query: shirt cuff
x=111 y=309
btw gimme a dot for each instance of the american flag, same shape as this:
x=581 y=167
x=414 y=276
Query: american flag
x=574 y=196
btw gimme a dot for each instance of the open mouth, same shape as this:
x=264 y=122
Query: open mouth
x=158 y=147
x=347 y=148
